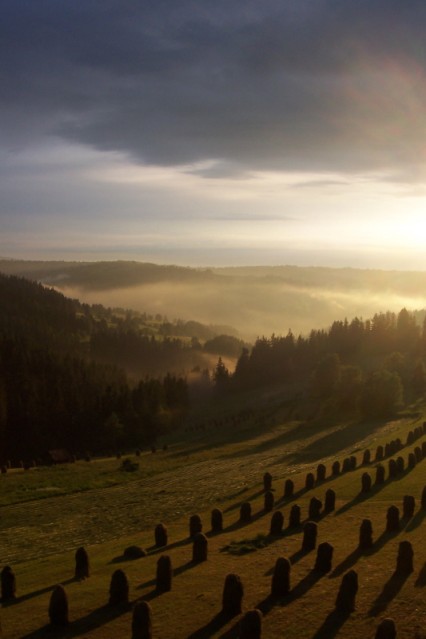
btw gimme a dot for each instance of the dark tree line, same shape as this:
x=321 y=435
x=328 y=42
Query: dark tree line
x=370 y=367
x=53 y=392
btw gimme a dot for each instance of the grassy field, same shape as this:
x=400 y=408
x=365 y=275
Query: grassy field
x=45 y=514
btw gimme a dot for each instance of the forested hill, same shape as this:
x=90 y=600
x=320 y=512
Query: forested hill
x=53 y=392
x=106 y=275
x=359 y=368
x=62 y=379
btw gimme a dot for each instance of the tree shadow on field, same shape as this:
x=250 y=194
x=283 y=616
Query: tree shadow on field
x=301 y=431
x=389 y=592
x=92 y=621
x=335 y=441
x=36 y=593
x=331 y=625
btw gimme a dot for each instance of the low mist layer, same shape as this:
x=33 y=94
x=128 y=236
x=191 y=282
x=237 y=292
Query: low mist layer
x=254 y=300
x=254 y=309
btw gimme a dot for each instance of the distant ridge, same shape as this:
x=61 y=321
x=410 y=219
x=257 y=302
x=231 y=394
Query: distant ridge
x=104 y=275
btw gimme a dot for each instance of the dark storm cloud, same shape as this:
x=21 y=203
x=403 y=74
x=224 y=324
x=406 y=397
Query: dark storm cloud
x=254 y=85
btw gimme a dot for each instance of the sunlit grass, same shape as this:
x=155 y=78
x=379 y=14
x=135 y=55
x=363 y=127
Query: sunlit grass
x=191 y=478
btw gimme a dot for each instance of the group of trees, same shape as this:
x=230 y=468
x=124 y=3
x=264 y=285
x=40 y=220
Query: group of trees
x=56 y=393
x=370 y=367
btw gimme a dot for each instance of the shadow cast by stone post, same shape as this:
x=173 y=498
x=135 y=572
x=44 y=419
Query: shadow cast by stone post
x=298 y=555
x=331 y=625
x=416 y=520
x=36 y=593
x=184 y=567
x=281 y=501
x=305 y=584
x=300 y=589
x=389 y=592
x=239 y=503
x=382 y=540
x=421 y=577
x=214 y=625
x=361 y=497
x=155 y=550
x=84 y=625
x=241 y=524
x=347 y=563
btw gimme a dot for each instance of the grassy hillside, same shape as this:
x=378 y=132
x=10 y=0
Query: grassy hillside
x=47 y=513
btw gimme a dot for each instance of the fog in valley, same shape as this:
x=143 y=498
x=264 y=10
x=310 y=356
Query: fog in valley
x=251 y=308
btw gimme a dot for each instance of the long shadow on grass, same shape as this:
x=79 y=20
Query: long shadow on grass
x=92 y=621
x=298 y=555
x=302 y=431
x=36 y=593
x=331 y=625
x=304 y=585
x=347 y=563
x=416 y=521
x=241 y=524
x=213 y=626
x=382 y=540
x=389 y=592
x=335 y=441
x=361 y=497
x=287 y=500
x=353 y=556
x=176 y=572
x=155 y=550
x=421 y=577
x=239 y=504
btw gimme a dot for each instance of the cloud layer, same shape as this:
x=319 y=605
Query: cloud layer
x=276 y=85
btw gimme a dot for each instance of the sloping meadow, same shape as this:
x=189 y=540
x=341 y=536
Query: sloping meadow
x=247 y=484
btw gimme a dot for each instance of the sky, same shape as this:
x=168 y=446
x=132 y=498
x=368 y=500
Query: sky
x=214 y=133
